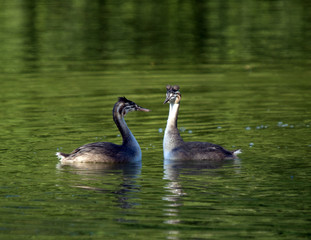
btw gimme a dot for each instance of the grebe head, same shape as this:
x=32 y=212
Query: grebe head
x=172 y=94
x=124 y=106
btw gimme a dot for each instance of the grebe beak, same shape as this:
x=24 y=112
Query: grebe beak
x=168 y=97
x=138 y=108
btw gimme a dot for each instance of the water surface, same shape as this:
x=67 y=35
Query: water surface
x=244 y=74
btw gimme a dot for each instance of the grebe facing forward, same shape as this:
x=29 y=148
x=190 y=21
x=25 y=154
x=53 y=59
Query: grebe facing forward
x=175 y=148
x=106 y=152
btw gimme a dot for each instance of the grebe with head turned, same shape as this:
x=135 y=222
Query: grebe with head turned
x=174 y=146
x=106 y=152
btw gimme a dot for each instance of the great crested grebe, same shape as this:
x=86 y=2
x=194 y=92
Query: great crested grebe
x=173 y=145
x=106 y=152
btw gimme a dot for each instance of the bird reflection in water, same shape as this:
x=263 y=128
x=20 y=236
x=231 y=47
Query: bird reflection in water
x=127 y=175
x=176 y=172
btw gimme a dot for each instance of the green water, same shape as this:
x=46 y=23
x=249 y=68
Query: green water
x=244 y=72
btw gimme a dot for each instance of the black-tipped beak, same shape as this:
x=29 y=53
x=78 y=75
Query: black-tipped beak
x=138 y=108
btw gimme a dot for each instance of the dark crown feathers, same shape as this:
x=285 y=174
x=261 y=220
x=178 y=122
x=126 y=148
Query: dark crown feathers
x=172 y=88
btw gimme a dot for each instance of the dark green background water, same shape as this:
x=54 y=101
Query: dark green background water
x=245 y=78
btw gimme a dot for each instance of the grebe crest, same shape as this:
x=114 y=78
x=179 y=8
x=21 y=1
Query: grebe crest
x=172 y=94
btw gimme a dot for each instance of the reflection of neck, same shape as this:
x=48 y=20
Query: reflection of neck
x=127 y=136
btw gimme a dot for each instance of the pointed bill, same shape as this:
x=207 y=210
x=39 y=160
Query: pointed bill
x=138 y=108
x=168 y=97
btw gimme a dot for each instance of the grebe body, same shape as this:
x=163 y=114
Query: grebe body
x=175 y=148
x=106 y=152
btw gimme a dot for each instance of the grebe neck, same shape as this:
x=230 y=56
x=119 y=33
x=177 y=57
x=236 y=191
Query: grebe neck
x=172 y=137
x=127 y=136
x=172 y=116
